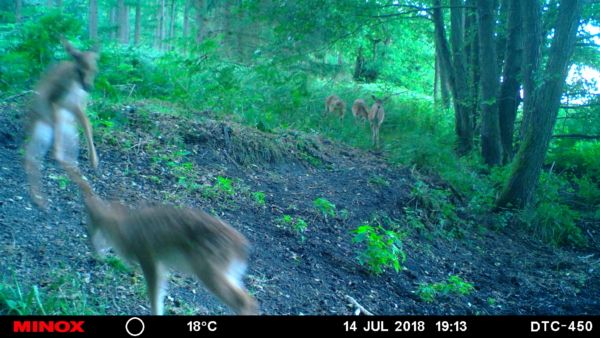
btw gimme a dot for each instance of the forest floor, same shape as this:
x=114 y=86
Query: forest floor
x=149 y=157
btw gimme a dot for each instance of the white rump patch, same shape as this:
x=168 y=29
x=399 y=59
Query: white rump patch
x=235 y=272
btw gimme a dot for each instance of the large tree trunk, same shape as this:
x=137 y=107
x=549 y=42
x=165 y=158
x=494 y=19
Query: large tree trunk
x=186 y=24
x=532 y=32
x=202 y=20
x=159 y=35
x=454 y=67
x=113 y=23
x=462 y=101
x=171 y=32
x=138 y=23
x=544 y=104
x=93 y=20
x=490 y=129
x=509 y=90
x=472 y=63
x=18 y=8
x=123 y=27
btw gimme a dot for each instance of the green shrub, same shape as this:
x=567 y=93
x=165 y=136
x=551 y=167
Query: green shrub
x=382 y=248
x=454 y=285
x=325 y=207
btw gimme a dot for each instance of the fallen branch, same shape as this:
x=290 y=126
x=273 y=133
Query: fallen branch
x=359 y=308
x=10 y=98
x=579 y=136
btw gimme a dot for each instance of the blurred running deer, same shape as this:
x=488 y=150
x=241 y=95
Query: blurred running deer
x=60 y=102
x=376 y=116
x=360 y=110
x=162 y=237
x=333 y=104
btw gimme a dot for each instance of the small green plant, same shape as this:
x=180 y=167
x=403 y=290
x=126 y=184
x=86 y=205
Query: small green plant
x=454 y=285
x=225 y=185
x=117 y=264
x=259 y=198
x=379 y=180
x=324 y=206
x=62 y=180
x=383 y=248
x=64 y=295
x=298 y=225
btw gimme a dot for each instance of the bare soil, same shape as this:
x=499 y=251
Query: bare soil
x=290 y=273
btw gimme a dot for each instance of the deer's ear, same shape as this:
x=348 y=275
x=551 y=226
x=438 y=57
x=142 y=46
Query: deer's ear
x=69 y=48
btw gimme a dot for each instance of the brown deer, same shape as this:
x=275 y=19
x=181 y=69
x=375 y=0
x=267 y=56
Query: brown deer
x=333 y=104
x=59 y=103
x=376 y=116
x=360 y=110
x=162 y=237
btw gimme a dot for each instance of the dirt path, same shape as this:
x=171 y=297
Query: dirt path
x=288 y=274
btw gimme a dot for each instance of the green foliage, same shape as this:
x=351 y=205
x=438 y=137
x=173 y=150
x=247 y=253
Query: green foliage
x=296 y=224
x=259 y=198
x=454 y=285
x=63 y=296
x=382 y=248
x=325 y=207
x=549 y=218
x=588 y=191
x=441 y=212
x=32 y=47
x=581 y=158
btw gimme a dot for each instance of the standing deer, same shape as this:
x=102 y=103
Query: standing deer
x=60 y=102
x=376 y=116
x=163 y=237
x=333 y=104
x=360 y=110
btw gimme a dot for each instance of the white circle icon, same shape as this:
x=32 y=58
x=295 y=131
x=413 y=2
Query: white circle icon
x=127 y=327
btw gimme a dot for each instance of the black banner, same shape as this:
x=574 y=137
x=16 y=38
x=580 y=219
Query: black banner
x=213 y=326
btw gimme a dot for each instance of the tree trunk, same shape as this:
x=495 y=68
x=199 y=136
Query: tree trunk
x=462 y=102
x=113 y=23
x=201 y=21
x=186 y=24
x=490 y=128
x=93 y=20
x=123 y=22
x=472 y=63
x=509 y=90
x=171 y=32
x=138 y=23
x=544 y=103
x=160 y=23
x=18 y=9
x=532 y=32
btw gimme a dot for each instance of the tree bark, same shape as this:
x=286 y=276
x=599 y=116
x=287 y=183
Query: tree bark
x=113 y=23
x=93 y=20
x=509 y=89
x=544 y=103
x=490 y=128
x=138 y=23
x=171 y=32
x=186 y=24
x=472 y=63
x=462 y=101
x=160 y=23
x=532 y=35
x=18 y=9
x=123 y=22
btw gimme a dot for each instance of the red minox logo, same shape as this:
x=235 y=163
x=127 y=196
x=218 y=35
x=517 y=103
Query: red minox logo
x=60 y=326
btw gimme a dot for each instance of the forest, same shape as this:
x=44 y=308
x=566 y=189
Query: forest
x=406 y=157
